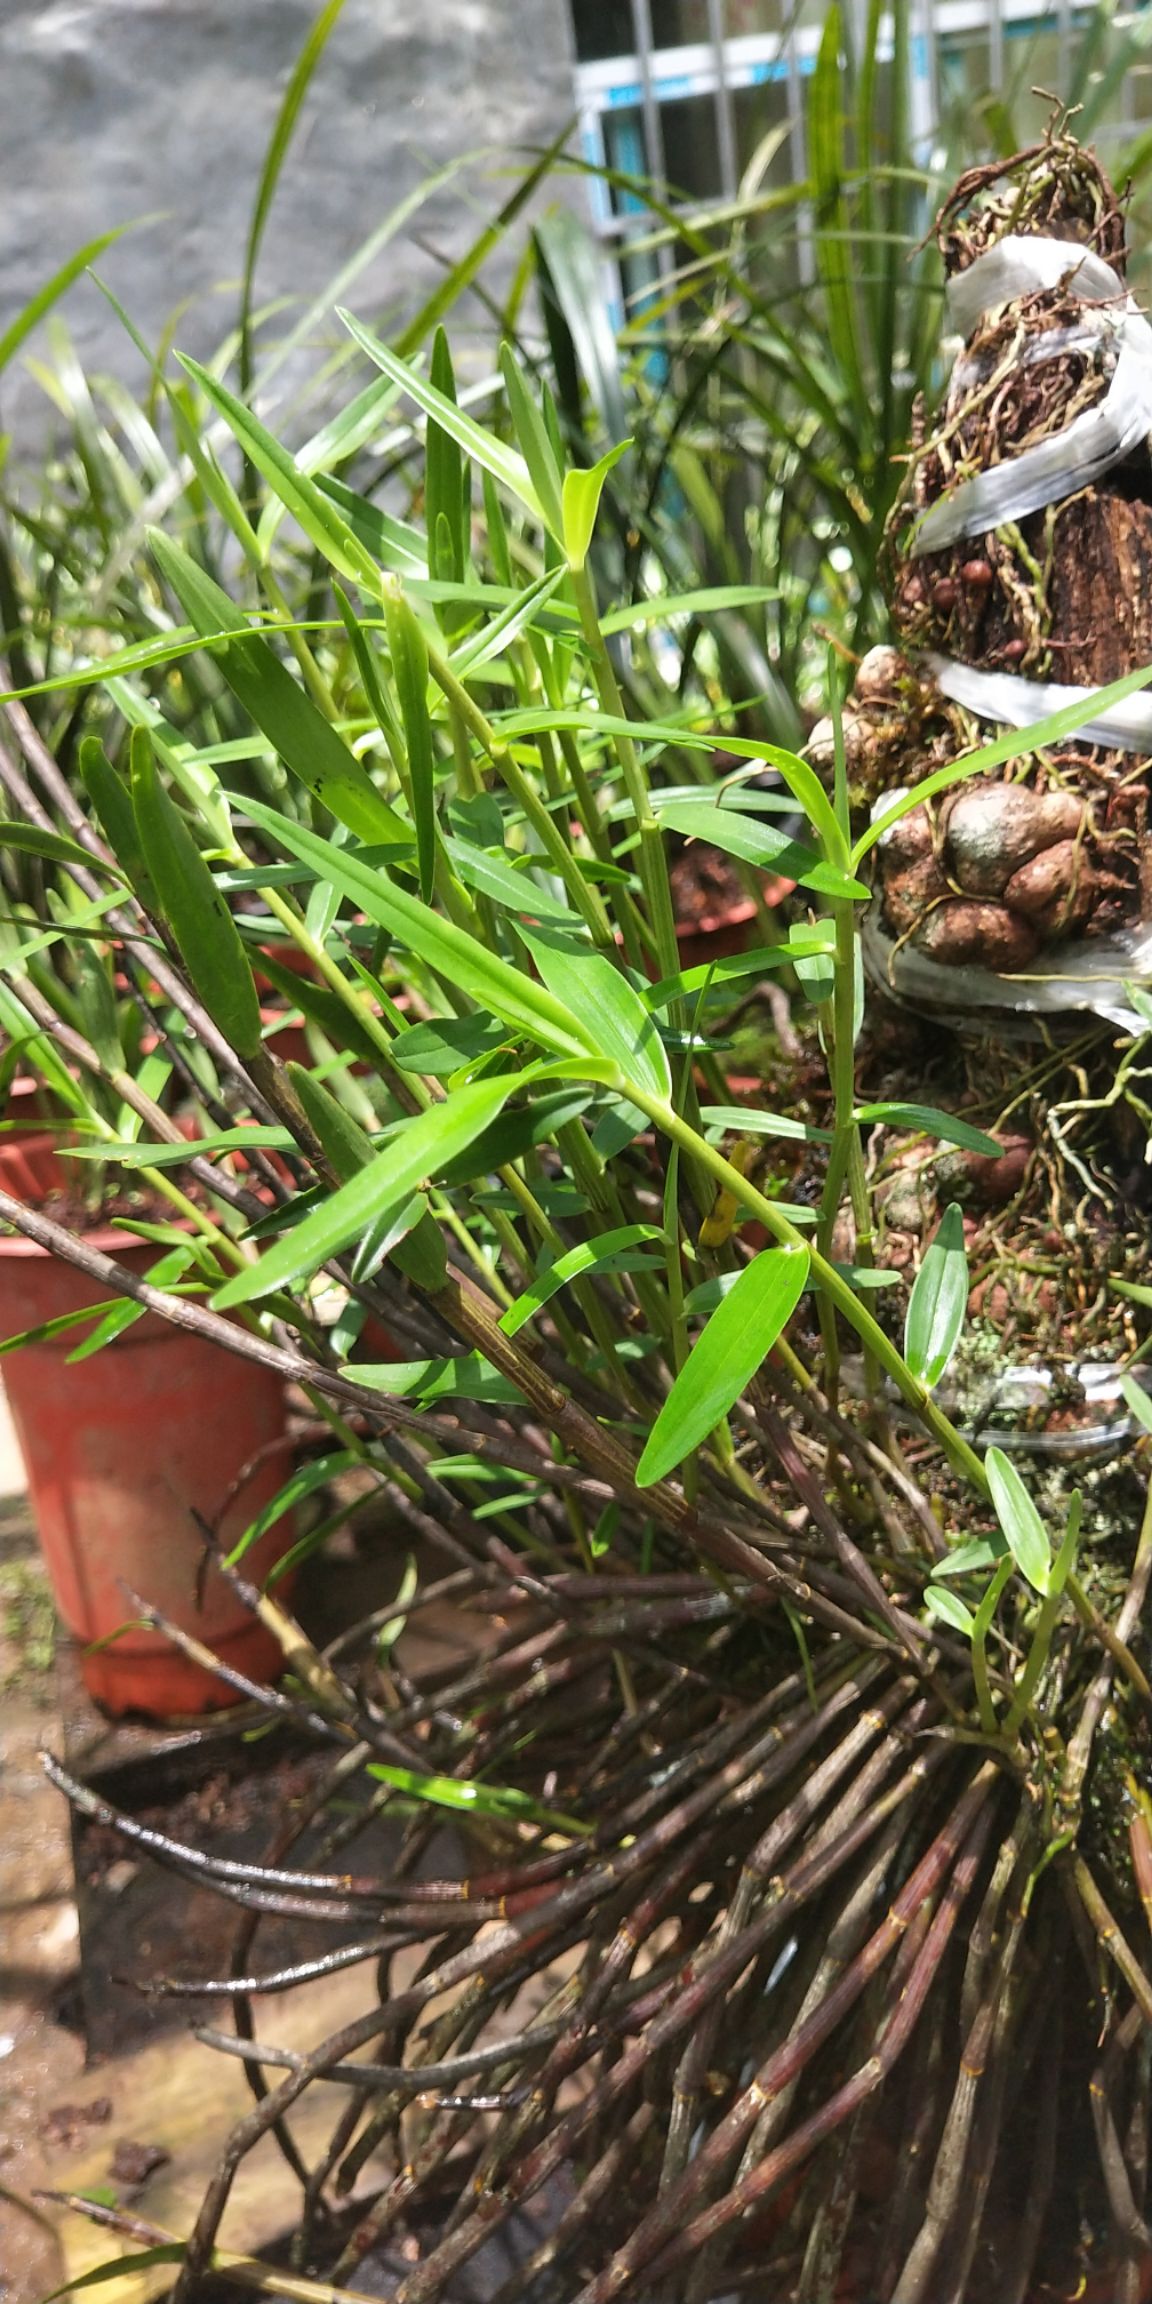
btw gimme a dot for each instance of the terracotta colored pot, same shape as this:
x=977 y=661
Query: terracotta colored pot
x=714 y=939
x=121 y=1450
x=286 y=955
x=731 y=930
x=30 y=1165
x=288 y=1041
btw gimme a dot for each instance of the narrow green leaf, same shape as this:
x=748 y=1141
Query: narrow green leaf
x=610 y=1012
x=421 y=1254
x=1065 y=1559
x=391 y=1632
x=321 y=1006
x=19 y=1025
x=347 y=1145
x=409 y=655
x=757 y=843
x=591 y=1256
x=48 y=1330
x=306 y=742
x=801 y=944
x=121 y=2268
x=535 y=444
x=366 y=665
x=126 y=1152
x=938 y=1301
x=52 y=846
x=943 y=1125
x=459 y=276
x=512 y=889
x=124 y=1315
x=663 y=607
x=968 y=1558
x=580 y=503
x=601 y=1537
x=94 y=995
x=444 y=479
x=571 y=262
x=391 y=542
x=519 y=615
x=833 y=242
x=284 y=127
x=382 y=1238
x=949 y=1608
x=413 y=1152
x=193 y=906
x=312 y=507
x=805 y=787
x=466 y=1376
x=301 y=1484
x=445 y=1044
x=1024 y=1531
x=724 y=1358
x=352 y=427
x=191 y=771
x=496 y=530
x=1137 y=1398
x=491 y=454
x=31 y=313
x=514 y=1133
x=112 y=801
x=1132 y=1289
x=475 y=1799
x=459 y=957
x=745 y=1120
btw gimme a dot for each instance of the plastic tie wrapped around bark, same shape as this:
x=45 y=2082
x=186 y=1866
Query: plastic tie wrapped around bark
x=1015 y=703
x=1028 y=888
x=1020 y=265
x=1081 y=978
x=1094 y=441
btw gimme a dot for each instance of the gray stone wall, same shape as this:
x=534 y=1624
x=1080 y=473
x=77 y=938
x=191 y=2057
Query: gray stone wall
x=112 y=110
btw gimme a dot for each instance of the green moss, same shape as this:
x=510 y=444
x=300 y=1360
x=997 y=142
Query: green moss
x=27 y=1621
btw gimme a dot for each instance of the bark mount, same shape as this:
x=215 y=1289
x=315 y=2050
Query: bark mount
x=1028 y=868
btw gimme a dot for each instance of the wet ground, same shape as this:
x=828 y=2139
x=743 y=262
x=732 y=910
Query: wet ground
x=41 y=2057
x=102 y=2087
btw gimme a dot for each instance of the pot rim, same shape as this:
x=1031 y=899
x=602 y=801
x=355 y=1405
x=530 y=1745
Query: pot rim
x=103 y=1237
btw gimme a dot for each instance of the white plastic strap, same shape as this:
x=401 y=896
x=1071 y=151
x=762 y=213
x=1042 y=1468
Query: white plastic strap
x=1024 y=264
x=1096 y=440
x=1094 y=975
x=1061 y=465
x=1019 y=703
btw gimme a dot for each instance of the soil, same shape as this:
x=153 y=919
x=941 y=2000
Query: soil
x=706 y=887
x=77 y=1212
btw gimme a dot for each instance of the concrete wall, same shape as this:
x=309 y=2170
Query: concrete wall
x=117 y=109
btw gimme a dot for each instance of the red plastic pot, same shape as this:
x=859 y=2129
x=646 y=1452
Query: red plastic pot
x=718 y=934
x=287 y=1040
x=121 y=1451
x=287 y=955
x=714 y=937
x=30 y=1165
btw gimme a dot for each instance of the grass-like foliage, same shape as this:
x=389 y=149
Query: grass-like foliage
x=798 y=1946
x=763 y=1743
